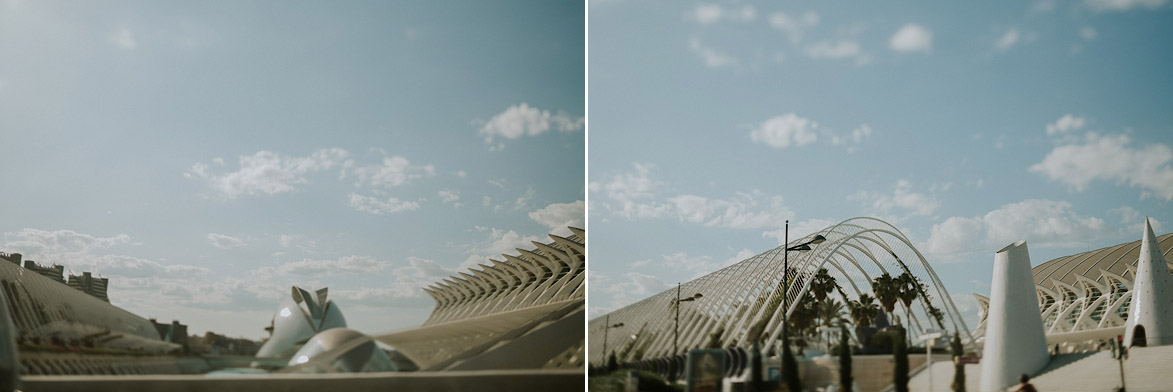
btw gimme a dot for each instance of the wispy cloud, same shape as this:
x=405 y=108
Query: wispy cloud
x=712 y=58
x=225 y=242
x=786 y=130
x=912 y=38
x=523 y=120
x=1111 y=158
x=123 y=38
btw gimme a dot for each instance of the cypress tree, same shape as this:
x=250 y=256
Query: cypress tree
x=845 y=379
x=900 y=356
x=958 y=367
x=790 y=366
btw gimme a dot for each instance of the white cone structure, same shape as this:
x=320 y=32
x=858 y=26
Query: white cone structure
x=1015 y=343
x=1150 y=316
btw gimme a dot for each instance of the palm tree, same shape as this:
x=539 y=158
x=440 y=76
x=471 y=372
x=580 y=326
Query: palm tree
x=863 y=310
x=822 y=285
x=909 y=288
x=830 y=314
x=887 y=290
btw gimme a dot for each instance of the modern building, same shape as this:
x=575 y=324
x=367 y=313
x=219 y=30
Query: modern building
x=44 y=311
x=1086 y=297
x=55 y=272
x=298 y=318
x=88 y=284
x=174 y=332
x=525 y=311
x=742 y=304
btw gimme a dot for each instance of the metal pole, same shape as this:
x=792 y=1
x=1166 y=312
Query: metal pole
x=606 y=329
x=676 y=330
x=929 y=360
x=785 y=283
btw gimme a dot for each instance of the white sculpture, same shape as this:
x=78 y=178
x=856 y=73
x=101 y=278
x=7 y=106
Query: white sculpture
x=341 y=350
x=1150 y=316
x=299 y=318
x=1015 y=343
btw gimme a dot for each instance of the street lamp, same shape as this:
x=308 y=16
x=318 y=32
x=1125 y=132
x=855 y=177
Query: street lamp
x=606 y=329
x=676 y=304
x=803 y=247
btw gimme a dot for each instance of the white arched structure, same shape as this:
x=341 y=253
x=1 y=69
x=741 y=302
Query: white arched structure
x=739 y=296
x=1086 y=297
x=299 y=317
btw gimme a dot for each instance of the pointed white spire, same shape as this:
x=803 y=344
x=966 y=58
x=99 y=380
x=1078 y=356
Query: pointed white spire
x=1150 y=315
x=1015 y=343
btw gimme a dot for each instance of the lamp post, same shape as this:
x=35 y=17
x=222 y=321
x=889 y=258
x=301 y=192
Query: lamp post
x=930 y=339
x=606 y=329
x=676 y=330
x=803 y=247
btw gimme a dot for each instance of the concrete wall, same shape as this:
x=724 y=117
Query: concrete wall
x=870 y=372
x=482 y=381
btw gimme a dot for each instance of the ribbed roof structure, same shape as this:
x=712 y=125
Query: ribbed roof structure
x=1085 y=291
x=743 y=295
x=525 y=311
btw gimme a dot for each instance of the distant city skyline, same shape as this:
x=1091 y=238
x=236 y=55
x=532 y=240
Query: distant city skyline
x=966 y=126
x=205 y=158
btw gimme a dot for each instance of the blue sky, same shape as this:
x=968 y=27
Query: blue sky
x=205 y=157
x=968 y=126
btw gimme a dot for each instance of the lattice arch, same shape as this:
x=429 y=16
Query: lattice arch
x=739 y=296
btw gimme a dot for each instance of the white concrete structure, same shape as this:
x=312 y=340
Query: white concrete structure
x=524 y=312
x=340 y=350
x=299 y=317
x=741 y=303
x=1150 y=321
x=1015 y=343
x=1085 y=298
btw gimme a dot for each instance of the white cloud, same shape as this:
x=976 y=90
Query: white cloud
x=799 y=229
x=903 y=198
x=453 y=197
x=794 y=27
x=1043 y=223
x=1065 y=124
x=394 y=171
x=1132 y=222
x=786 y=130
x=712 y=13
x=1043 y=6
x=1008 y=39
x=267 y=172
x=635 y=286
x=523 y=120
x=123 y=38
x=1088 y=33
x=713 y=58
x=635 y=192
x=746 y=211
x=285 y=240
x=833 y=50
x=1123 y=5
x=558 y=216
x=1111 y=158
x=376 y=206
x=59 y=242
x=225 y=242
x=342 y=265
x=854 y=139
x=912 y=38
x=418 y=274
x=499 y=242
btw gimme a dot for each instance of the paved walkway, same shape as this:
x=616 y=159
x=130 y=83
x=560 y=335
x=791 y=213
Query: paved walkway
x=1146 y=369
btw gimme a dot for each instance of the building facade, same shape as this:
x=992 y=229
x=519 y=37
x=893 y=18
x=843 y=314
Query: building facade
x=525 y=311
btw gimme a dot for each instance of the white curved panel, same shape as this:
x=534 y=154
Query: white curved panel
x=1015 y=342
x=1152 y=297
